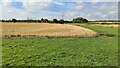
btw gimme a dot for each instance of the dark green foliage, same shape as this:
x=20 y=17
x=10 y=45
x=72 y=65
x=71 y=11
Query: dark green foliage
x=55 y=20
x=46 y=20
x=3 y=20
x=75 y=20
x=79 y=20
x=14 y=20
x=42 y=19
x=61 y=21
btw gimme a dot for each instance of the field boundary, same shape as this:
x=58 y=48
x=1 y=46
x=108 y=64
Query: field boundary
x=36 y=36
x=49 y=37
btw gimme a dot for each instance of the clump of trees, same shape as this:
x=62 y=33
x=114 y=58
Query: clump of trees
x=55 y=21
x=80 y=20
x=14 y=20
x=61 y=21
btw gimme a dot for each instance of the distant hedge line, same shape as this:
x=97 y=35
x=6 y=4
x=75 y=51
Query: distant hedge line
x=61 y=21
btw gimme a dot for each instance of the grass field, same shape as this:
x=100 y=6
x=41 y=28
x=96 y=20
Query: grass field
x=99 y=51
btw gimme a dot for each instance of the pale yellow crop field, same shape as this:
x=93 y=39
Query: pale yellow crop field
x=44 y=29
x=112 y=26
x=105 y=24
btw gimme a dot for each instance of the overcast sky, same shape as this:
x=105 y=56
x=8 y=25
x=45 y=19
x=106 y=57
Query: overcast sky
x=68 y=9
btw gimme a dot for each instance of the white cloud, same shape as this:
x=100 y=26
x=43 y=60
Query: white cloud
x=36 y=4
x=70 y=15
x=58 y=3
x=104 y=1
x=79 y=5
x=30 y=5
x=97 y=1
x=9 y=12
x=6 y=2
x=109 y=10
x=113 y=12
x=103 y=16
x=34 y=0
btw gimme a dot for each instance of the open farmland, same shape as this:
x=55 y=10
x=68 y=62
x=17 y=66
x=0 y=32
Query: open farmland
x=98 y=51
x=112 y=26
x=45 y=29
x=59 y=33
x=102 y=24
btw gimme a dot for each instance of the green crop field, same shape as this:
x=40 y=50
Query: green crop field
x=99 y=51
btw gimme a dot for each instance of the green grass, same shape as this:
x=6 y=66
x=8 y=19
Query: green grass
x=100 y=51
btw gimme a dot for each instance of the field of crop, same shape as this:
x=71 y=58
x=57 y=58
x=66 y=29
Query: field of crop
x=44 y=29
x=98 y=51
x=112 y=26
x=102 y=24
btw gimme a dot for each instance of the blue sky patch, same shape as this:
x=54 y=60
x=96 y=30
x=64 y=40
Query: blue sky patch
x=18 y=5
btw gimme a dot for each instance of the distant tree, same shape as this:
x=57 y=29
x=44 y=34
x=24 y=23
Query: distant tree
x=38 y=21
x=85 y=20
x=61 y=21
x=79 y=20
x=14 y=20
x=46 y=20
x=51 y=21
x=55 y=21
x=42 y=20
x=3 y=20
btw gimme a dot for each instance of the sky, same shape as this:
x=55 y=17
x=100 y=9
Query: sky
x=59 y=9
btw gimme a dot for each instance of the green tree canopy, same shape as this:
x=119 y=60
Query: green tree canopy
x=79 y=20
x=61 y=21
x=14 y=20
x=55 y=20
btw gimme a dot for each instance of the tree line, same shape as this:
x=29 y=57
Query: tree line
x=61 y=21
x=106 y=21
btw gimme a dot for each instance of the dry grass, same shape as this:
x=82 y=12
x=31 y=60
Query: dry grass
x=110 y=25
x=44 y=29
